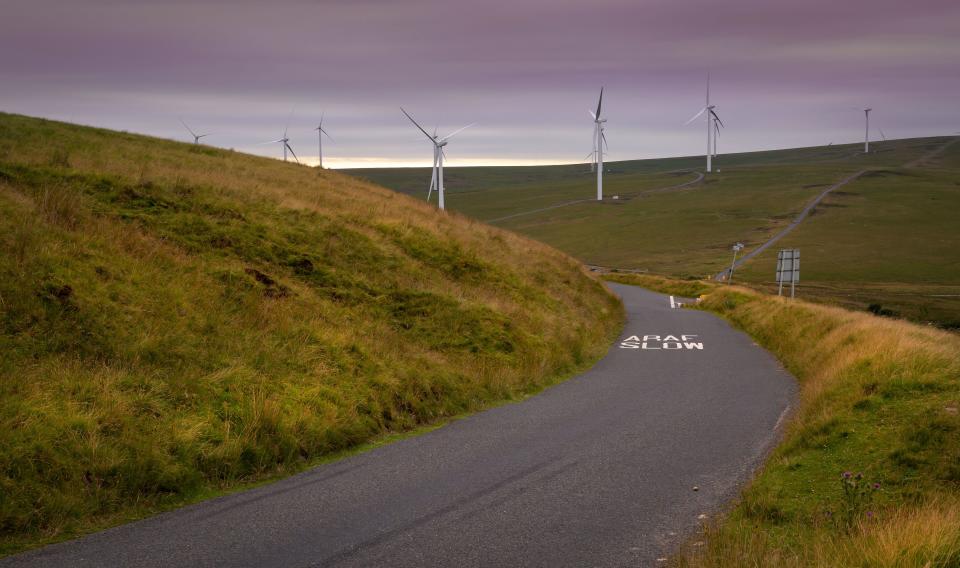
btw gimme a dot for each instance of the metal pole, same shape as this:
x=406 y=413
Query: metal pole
x=599 y=161
x=320 y=146
x=440 y=175
x=732 y=264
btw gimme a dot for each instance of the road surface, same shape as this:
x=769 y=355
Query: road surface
x=597 y=471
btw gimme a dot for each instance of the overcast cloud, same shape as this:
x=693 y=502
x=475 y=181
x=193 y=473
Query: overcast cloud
x=784 y=73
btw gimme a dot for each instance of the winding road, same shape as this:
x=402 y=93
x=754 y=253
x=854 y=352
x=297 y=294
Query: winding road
x=610 y=468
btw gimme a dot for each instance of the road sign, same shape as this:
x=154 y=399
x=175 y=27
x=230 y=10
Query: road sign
x=788 y=269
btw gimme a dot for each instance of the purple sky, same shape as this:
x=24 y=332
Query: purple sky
x=784 y=73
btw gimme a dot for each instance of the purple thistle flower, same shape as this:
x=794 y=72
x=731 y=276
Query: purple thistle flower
x=869 y=514
x=876 y=485
x=847 y=475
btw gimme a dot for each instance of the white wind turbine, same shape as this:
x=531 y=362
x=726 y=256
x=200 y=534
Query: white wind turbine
x=866 y=140
x=320 y=133
x=711 y=116
x=196 y=137
x=436 y=177
x=285 y=144
x=599 y=141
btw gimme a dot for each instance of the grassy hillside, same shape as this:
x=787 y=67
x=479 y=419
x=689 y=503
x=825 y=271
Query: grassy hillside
x=176 y=320
x=879 y=400
x=887 y=240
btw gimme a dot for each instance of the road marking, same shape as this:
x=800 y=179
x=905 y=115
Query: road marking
x=780 y=419
x=665 y=343
x=672 y=305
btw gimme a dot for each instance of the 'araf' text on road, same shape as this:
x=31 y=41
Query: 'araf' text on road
x=661 y=342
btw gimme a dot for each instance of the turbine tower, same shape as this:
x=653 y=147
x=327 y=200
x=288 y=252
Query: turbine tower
x=866 y=140
x=711 y=116
x=436 y=176
x=599 y=141
x=320 y=133
x=196 y=137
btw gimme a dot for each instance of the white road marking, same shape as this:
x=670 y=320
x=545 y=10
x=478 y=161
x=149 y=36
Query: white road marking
x=672 y=305
x=780 y=419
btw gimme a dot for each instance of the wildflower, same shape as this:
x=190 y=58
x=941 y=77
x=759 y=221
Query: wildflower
x=869 y=514
x=876 y=485
x=847 y=475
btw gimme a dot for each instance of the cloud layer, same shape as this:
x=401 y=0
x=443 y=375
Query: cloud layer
x=784 y=73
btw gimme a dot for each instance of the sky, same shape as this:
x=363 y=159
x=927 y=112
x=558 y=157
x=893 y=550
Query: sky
x=783 y=73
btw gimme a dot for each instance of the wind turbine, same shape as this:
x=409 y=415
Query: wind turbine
x=436 y=177
x=599 y=141
x=711 y=115
x=320 y=133
x=285 y=144
x=196 y=137
x=866 y=140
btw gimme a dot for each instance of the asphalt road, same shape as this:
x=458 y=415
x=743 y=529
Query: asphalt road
x=596 y=471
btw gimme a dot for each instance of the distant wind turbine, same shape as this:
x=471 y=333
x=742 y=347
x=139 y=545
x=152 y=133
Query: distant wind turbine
x=599 y=141
x=711 y=116
x=285 y=144
x=320 y=133
x=866 y=140
x=436 y=177
x=196 y=137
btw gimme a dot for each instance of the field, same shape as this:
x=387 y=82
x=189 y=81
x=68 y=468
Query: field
x=887 y=240
x=868 y=471
x=178 y=320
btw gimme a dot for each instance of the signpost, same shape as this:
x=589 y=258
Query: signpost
x=788 y=269
x=736 y=248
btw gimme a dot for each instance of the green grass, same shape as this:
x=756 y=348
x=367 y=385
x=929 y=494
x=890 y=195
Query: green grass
x=888 y=239
x=878 y=397
x=177 y=321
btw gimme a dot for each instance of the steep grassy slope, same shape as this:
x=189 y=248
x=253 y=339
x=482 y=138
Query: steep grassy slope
x=888 y=239
x=177 y=319
x=878 y=398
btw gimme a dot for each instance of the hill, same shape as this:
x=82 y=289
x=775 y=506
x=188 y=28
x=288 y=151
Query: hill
x=176 y=320
x=886 y=240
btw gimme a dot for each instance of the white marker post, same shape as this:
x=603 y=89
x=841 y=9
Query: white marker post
x=736 y=248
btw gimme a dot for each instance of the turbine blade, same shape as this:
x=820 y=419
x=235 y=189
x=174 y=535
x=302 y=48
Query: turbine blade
x=717 y=117
x=325 y=132
x=287 y=126
x=270 y=142
x=604 y=137
x=417 y=125
x=292 y=152
x=696 y=116
x=600 y=102
x=187 y=127
x=449 y=136
x=592 y=114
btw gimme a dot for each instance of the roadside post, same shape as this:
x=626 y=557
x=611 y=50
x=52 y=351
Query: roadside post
x=788 y=270
x=736 y=248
